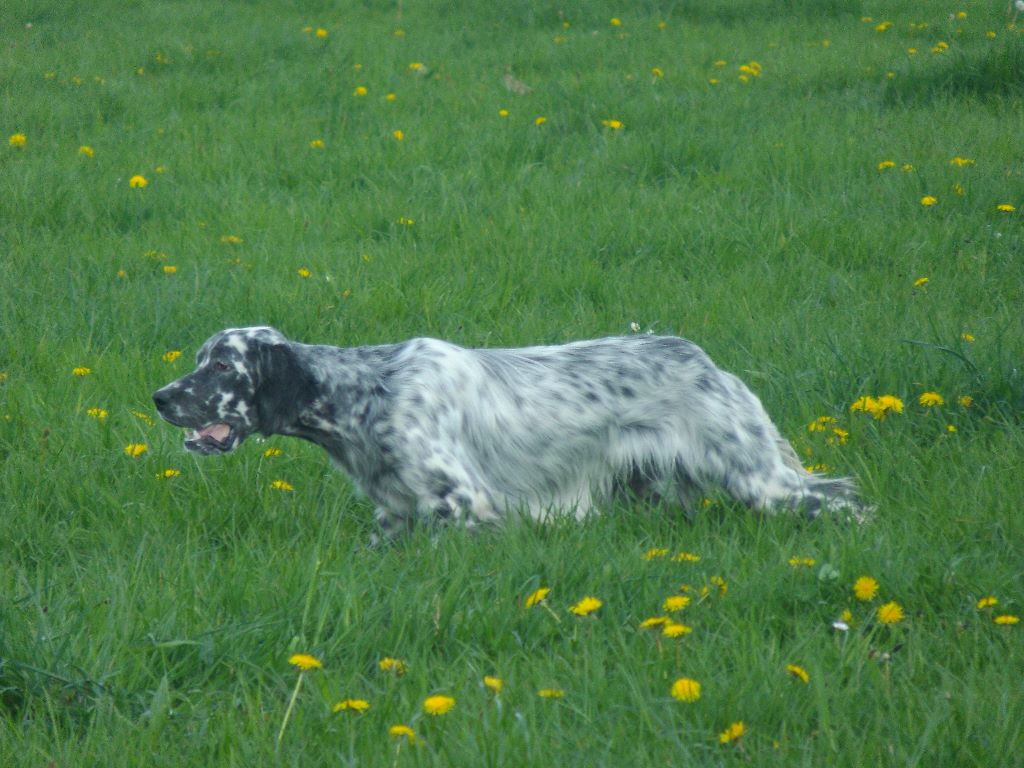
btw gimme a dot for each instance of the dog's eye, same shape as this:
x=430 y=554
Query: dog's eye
x=220 y=365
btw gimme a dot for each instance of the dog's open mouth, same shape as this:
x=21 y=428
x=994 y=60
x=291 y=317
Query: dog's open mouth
x=213 y=438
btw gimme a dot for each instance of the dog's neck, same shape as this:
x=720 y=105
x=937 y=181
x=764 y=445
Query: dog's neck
x=347 y=388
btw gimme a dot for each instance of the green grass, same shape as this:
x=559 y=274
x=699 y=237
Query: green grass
x=148 y=620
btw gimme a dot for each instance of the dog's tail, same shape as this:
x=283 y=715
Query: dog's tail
x=825 y=493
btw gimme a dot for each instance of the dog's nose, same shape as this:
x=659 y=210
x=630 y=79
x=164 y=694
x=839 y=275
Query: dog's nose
x=161 y=399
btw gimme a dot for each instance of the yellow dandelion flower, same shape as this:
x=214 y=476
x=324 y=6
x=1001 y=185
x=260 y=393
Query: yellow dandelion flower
x=395 y=666
x=540 y=121
x=960 y=162
x=950 y=428
x=418 y=67
x=81 y=371
x=399 y=135
x=907 y=167
x=1005 y=208
x=966 y=401
x=321 y=32
x=303 y=272
x=169 y=269
x=929 y=200
x=921 y=282
x=865 y=402
x=351 y=705
x=615 y=22
x=438 y=705
x=615 y=125
x=713 y=81
x=966 y=337
x=719 y=582
x=86 y=151
x=97 y=413
x=931 y=399
x=990 y=34
x=405 y=221
x=879 y=407
x=890 y=613
x=685 y=557
x=838 y=437
x=551 y=693
x=135 y=450
x=720 y=63
x=304 y=661
x=733 y=732
x=231 y=240
x=883 y=26
x=675 y=603
x=887 y=404
x=911 y=51
x=360 y=91
x=656 y=71
x=170 y=357
x=796 y=562
x=390 y=97
x=820 y=424
x=17 y=140
x=1006 y=619
x=586 y=606
x=656 y=552
x=167 y=474
x=142 y=417
x=798 y=672
x=137 y=182
x=316 y=144
x=493 y=684
x=865 y=588
x=685 y=689
x=654 y=622
x=282 y=485
x=403 y=731
x=502 y=113
x=536 y=597
x=272 y=452
x=674 y=629
x=987 y=602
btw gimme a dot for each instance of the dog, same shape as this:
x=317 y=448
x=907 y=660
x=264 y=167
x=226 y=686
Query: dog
x=432 y=431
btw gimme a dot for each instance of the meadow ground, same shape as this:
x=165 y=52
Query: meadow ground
x=828 y=196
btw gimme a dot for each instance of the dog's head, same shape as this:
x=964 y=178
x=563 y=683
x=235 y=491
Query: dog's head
x=241 y=385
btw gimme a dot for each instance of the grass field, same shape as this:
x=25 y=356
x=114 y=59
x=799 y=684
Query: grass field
x=827 y=196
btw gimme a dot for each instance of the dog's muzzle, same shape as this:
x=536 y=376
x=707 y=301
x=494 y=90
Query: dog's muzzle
x=216 y=437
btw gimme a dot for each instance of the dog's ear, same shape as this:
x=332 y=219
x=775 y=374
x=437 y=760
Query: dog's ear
x=283 y=387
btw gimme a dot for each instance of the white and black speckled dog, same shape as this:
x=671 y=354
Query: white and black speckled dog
x=430 y=430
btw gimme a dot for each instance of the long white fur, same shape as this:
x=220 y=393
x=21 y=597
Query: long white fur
x=431 y=430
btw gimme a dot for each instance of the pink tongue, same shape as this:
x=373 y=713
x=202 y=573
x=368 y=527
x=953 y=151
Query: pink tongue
x=218 y=432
